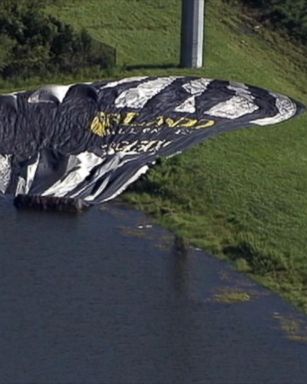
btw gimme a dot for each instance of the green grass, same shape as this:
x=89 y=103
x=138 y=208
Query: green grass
x=147 y=32
x=143 y=32
x=243 y=195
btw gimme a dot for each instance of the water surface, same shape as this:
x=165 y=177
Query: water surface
x=107 y=297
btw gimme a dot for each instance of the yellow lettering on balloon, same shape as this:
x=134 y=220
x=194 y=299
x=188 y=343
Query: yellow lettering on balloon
x=99 y=125
x=130 y=117
x=188 y=123
x=171 y=123
x=183 y=122
x=205 y=124
x=102 y=123
x=158 y=122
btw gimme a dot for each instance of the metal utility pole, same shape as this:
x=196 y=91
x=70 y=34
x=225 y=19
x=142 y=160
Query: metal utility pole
x=192 y=33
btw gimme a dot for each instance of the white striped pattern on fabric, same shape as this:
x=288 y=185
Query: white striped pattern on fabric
x=195 y=88
x=5 y=172
x=137 y=97
x=286 y=108
x=239 y=105
x=75 y=174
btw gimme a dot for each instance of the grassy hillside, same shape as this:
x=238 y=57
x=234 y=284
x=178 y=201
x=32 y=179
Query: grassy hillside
x=146 y=32
x=143 y=32
x=242 y=195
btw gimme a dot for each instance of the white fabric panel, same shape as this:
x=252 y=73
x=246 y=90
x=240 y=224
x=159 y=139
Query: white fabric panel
x=139 y=96
x=286 y=109
x=31 y=169
x=233 y=108
x=113 y=84
x=5 y=172
x=13 y=94
x=21 y=186
x=112 y=164
x=196 y=88
x=239 y=105
x=238 y=87
x=59 y=91
x=86 y=162
x=138 y=174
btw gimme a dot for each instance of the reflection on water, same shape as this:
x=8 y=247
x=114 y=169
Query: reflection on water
x=181 y=271
x=85 y=301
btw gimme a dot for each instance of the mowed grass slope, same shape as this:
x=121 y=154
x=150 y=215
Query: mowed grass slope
x=242 y=195
x=143 y=32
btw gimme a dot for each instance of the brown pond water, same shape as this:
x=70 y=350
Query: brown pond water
x=108 y=297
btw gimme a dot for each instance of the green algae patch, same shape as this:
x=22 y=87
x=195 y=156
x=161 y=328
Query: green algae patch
x=231 y=296
x=294 y=328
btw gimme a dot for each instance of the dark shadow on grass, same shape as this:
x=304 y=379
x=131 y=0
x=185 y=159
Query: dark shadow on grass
x=151 y=66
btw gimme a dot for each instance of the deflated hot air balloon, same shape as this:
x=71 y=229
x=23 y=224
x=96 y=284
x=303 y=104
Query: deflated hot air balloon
x=91 y=141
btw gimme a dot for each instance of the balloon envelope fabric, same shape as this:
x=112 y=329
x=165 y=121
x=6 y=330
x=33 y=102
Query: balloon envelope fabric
x=92 y=140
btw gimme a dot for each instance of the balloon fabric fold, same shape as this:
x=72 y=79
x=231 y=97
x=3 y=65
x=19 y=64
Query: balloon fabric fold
x=91 y=141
